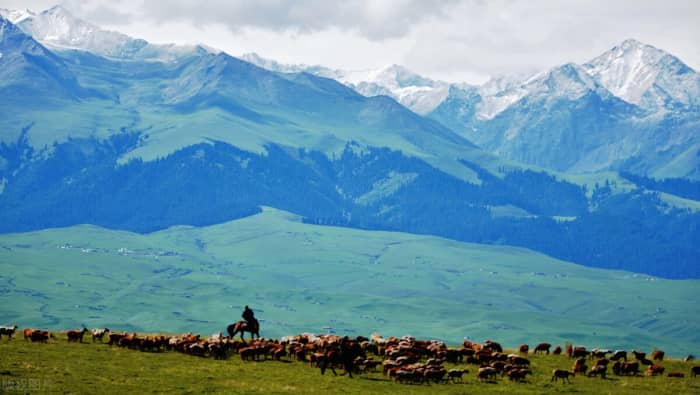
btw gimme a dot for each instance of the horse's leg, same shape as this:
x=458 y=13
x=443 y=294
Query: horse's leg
x=349 y=366
x=322 y=364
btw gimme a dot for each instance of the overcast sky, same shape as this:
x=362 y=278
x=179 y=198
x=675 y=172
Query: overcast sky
x=454 y=40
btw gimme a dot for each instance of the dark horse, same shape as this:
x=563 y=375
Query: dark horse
x=242 y=326
x=343 y=355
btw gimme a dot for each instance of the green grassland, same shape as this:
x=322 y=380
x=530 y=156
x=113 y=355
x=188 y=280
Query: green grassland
x=300 y=277
x=62 y=367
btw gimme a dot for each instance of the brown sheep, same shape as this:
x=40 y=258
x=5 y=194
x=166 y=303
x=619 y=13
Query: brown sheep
x=676 y=374
x=524 y=348
x=557 y=350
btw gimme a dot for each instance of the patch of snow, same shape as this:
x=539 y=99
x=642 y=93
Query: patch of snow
x=16 y=16
x=628 y=70
x=58 y=28
x=646 y=76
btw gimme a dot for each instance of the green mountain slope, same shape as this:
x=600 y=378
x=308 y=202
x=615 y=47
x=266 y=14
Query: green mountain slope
x=301 y=277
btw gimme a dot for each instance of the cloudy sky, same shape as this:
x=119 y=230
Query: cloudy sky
x=454 y=40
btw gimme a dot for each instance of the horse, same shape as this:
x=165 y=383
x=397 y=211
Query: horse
x=343 y=354
x=241 y=327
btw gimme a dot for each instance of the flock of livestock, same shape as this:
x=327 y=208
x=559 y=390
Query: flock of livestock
x=405 y=360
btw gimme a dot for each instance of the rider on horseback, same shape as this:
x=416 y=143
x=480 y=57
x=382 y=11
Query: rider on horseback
x=249 y=317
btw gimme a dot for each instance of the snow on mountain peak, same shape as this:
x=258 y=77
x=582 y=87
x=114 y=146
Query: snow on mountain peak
x=16 y=16
x=627 y=70
x=59 y=28
x=418 y=93
x=646 y=76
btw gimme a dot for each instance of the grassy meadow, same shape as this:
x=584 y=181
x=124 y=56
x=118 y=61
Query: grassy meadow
x=307 y=278
x=62 y=367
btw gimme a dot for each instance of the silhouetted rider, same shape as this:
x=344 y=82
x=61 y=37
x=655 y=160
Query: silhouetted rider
x=249 y=316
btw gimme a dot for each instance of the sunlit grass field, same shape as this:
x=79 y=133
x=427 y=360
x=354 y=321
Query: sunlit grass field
x=92 y=368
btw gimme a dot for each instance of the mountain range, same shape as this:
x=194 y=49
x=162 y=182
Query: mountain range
x=634 y=108
x=101 y=128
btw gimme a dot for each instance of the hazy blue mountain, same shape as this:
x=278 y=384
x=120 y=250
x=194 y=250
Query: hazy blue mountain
x=211 y=138
x=30 y=73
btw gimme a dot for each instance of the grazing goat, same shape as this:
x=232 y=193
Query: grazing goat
x=8 y=330
x=561 y=374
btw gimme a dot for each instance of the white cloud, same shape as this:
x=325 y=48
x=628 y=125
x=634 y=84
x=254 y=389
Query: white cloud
x=465 y=40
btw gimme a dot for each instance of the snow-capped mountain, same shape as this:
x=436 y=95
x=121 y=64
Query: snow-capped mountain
x=28 y=71
x=646 y=76
x=57 y=28
x=17 y=16
x=635 y=107
x=416 y=92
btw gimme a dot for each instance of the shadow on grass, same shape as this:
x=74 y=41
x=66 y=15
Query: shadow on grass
x=373 y=379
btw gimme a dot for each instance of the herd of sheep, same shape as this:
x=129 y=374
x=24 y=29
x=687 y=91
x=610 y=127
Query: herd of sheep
x=404 y=360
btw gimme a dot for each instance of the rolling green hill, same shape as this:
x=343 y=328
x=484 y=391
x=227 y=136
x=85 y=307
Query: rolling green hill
x=300 y=277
